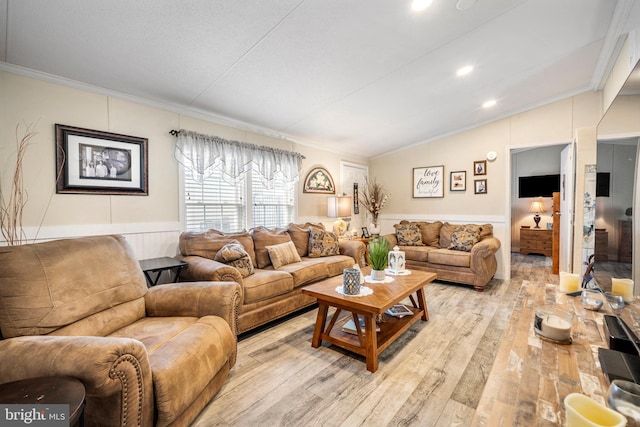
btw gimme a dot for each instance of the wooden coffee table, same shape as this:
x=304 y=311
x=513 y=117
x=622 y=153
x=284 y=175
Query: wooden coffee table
x=368 y=343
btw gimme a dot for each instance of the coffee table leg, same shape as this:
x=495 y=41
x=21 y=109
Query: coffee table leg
x=321 y=320
x=422 y=303
x=371 y=342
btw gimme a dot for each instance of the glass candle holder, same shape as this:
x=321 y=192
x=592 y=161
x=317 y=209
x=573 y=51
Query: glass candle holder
x=569 y=282
x=623 y=287
x=553 y=324
x=592 y=300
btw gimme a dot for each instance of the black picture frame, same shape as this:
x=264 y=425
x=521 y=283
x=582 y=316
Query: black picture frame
x=365 y=233
x=458 y=181
x=96 y=162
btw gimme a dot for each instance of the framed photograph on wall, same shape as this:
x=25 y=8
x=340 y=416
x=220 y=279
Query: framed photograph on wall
x=458 y=181
x=480 y=167
x=428 y=181
x=480 y=186
x=95 y=162
x=319 y=180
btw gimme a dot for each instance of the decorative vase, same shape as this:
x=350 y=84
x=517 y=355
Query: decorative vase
x=377 y=275
x=351 y=281
x=374 y=229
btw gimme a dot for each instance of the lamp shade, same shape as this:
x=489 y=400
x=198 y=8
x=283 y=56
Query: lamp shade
x=338 y=207
x=537 y=207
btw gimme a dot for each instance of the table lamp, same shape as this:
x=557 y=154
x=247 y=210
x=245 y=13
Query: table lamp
x=339 y=207
x=537 y=207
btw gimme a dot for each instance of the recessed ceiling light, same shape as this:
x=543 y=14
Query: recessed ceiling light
x=464 y=70
x=490 y=103
x=419 y=5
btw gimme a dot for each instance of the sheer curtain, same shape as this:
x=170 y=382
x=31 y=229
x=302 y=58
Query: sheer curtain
x=203 y=155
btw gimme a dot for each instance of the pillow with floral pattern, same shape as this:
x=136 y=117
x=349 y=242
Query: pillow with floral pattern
x=464 y=238
x=322 y=243
x=408 y=234
x=234 y=254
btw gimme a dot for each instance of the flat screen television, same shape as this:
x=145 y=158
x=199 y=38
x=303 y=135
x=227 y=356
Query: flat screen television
x=603 y=184
x=538 y=186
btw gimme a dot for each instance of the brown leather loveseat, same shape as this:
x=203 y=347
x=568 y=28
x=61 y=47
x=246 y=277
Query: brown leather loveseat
x=81 y=308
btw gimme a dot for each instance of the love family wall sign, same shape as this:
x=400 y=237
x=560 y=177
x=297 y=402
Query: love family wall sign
x=428 y=181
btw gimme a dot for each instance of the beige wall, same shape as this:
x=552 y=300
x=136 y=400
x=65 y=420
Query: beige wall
x=32 y=101
x=551 y=124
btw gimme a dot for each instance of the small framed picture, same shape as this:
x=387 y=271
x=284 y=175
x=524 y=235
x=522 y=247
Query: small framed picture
x=365 y=233
x=480 y=167
x=458 y=181
x=480 y=186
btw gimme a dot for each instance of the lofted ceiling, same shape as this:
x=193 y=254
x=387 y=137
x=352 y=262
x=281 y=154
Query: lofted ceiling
x=355 y=76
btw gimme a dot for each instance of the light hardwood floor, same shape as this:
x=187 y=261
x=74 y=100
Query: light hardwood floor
x=433 y=375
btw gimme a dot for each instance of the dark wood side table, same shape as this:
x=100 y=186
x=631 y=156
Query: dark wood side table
x=46 y=391
x=158 y=265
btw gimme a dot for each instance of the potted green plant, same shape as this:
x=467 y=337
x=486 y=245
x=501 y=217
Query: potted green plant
x=378 y=257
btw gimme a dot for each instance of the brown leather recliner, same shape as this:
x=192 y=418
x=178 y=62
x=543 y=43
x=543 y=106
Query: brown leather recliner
x=81 y=308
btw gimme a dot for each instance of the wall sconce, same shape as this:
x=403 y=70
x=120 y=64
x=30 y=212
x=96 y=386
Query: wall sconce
x=537 y=207
x=339 y=207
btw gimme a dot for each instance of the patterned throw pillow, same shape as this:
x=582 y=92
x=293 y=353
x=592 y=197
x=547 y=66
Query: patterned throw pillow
x=283 y=254
x=322 y=243
x=464 y=238
x=408 y=235
x=234 y=254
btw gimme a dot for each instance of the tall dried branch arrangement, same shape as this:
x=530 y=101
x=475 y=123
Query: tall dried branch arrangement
x=373 y=198
x=13 y=203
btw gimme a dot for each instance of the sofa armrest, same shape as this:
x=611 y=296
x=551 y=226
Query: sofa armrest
x=196 y=299
x=392 y=239
x=105 y=366
x=483 y=255
x=355 y=249
x=202 y=269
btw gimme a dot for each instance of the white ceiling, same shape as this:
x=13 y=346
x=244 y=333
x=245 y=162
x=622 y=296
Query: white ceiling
x=355 y=76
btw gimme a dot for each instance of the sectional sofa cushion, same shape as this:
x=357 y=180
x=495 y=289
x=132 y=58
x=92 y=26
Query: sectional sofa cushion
x=300 y=236
x=429 y=231
x=445 y=234
x=322 y=243
x=408 y=234
x=283 y=254
x=234 y=254
x=263 y=237
x=207 y=243
x=266 y=284
x=450 y=258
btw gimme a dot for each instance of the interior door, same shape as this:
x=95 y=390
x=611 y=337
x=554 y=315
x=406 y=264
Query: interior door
x=567 y=198
x=351 y=174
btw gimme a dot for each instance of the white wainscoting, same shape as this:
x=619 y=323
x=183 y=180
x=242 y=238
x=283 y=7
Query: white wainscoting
x=149 y=240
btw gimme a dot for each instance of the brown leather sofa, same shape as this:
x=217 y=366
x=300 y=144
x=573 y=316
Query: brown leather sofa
x=433 y=246
x=81 y=308
x=267 y=293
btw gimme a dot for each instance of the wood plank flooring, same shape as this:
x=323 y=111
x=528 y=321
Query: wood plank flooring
x=433 y=375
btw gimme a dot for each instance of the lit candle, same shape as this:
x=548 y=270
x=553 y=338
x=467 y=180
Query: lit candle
x=622 y=287
x=569 y=282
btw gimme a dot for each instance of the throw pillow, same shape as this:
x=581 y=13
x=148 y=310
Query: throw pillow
x=430 y=231
x=283 y=254
x=464 y=238
x=233 y=254
x=445 y=234
x=322 y=243
x=300 y=236
x=408 y=234
x=263 y=237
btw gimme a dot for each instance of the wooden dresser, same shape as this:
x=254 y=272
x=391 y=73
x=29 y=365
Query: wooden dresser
x=536 y=241
x=624 y=247
x=602 y=245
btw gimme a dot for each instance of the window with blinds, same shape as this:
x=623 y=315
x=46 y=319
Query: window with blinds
x=222 y=206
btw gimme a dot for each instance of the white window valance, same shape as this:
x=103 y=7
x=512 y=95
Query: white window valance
x=204 y=154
